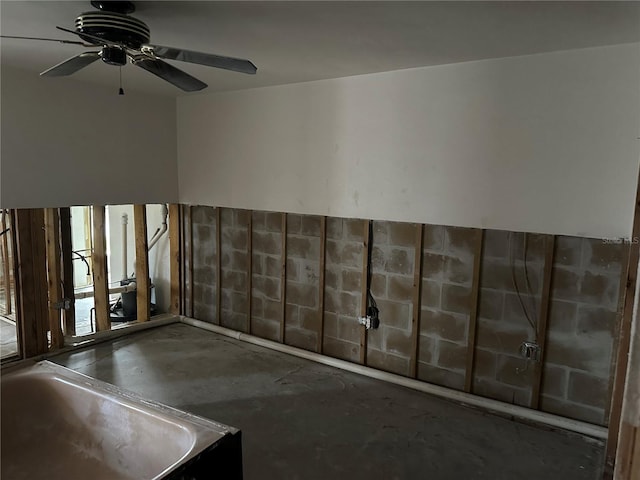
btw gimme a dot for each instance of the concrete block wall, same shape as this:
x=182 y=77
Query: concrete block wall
x=234 y=262
x=447 y=275
x=584 y=314
x=393 y=258
x=204 y=264
x=343 y=288
x=583 y=324
x=303 y=316
x=266 y=308
x=500 y=372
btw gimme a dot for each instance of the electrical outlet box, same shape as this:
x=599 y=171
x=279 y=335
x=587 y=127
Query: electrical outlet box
x=530 y=351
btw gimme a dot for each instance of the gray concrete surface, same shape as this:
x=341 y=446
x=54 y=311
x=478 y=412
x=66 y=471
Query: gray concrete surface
x=301 y=420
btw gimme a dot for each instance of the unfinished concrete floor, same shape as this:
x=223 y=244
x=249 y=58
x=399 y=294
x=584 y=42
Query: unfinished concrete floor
x=302 y=420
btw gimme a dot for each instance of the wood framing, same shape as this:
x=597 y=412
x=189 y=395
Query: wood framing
x=363 y=300
x=183 y=262
x=416 y=300
x=100 y=271
x=67 y=271
x=31 y=281
x=283 y=278
x=473 y=313
x=54 y=277
x=190 y=275
x=5 y=262
x=174 y=257
x=321 y=283
x=143 y=286
x=624 y=342
x=249 y=268
x=219 y=265
x=543 y=319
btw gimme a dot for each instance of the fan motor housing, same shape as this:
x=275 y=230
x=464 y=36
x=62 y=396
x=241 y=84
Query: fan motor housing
x=114 y=56
x=113 y=27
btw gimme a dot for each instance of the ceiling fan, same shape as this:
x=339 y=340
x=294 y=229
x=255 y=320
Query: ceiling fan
x=121 y=38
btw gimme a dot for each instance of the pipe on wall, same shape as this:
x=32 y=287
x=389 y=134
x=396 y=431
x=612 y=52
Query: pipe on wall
x=464 y=398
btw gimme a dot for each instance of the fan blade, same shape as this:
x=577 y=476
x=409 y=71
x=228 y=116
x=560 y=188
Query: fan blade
x=72 y=65
x=170 y=73
x=210 y=60
x=70 y=42
x=100 y=41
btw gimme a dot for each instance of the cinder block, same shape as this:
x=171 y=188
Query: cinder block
x=588 y=353
x=303 y=247
x=399 y=261
x=203 y=276
x=512 y=371
x=588 y=390
x=349 y=329
x=239 y=261
x=269 y=243
x=380 y=233
x=375 y=339
x=239 y=303
x=309 y=318
x=274 y=222
x=458 y=271
x=241 y=217
x=257 y=264
x=440 y=376
x=398 y=342
x=598 y=254
x=273 y=266
x=495 y=244
x=240 y=238
x=433 y=237
x=379 y=286
x=555 y=381
x=347 y=254
x=310 y=272
x=597 y=319
x=402 y=234
x=514 y=312
x=400 y=288
x=565 y=284
x=378 y=258
x=448 y=326
x=294 y=223
x=225 y=299
x=331 y=278
x=202 y=233
x=426 y=349
x=236 y=281
x=342 y=303
x=235 y=321
x=264 y=328
x=394 y=314
x=485 y=363
x=201 y=215
x=496 y=273
x=258 y=220
x=430 y=294
x=500 y=337
x=460 y=241
x=499 y=391
x=310 y=225
x=491 y=303
x=292 y=315
x=568 y=251
x=433 y=266
x=535 y=247
x=300 y=338
x=353 y=229
x=225 y=260
x=302 y=294
x=343 y=350
x=452 y=356
x=334 y=228
x=269 y=287
x=562 y=316
x=226 y=216
x=571 y=410
x=272 y=310
x=257 y=306
x=456 y=298
x=352 y=280
x=330 y=324
x=292 y=270
x=387 y=362
x=600 y=289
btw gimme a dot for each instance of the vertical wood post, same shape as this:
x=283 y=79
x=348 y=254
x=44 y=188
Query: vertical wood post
x=54 y=280
x=67 y=271
x=143 y=287
x=543 y=320
x=283 y=279
x=190 y=275
x=219 y=265
x=31 y=281
x=417 y=300
x=100 y=271
x=174 y=257
x=321 y=282
x=249 y=269
x=5 y=263
x=473 y=314
x=363 y=300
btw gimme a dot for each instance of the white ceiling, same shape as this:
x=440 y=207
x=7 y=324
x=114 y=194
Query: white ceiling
x=302 y=41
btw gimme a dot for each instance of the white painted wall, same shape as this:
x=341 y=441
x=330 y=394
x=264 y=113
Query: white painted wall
x=67 y=143
x=543 y=143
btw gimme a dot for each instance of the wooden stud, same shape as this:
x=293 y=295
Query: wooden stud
x=5 y=263
x=623 y=344
x=543 y=319
x=219 y=265
x=249 y=268
x=191 y=283
x=473 y=314
x=16 y=282
x=283 y=278
x=183 y=261
x=54 y=280
x=363 y=300
x=143 y=288
x=417 y=297
x=321 y=286
x=31 y=281
x=67 y=271
x=100 y=270
x=174 y=257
